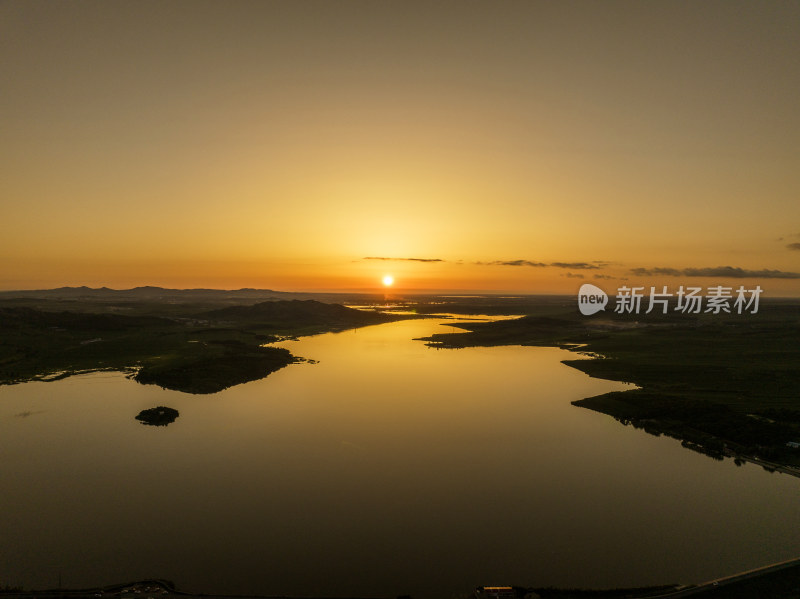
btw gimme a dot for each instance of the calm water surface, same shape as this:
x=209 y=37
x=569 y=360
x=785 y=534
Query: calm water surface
x=387 y=468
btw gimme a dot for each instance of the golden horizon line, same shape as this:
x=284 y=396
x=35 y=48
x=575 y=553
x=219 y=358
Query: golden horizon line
x=380 y=290
x=374 y=290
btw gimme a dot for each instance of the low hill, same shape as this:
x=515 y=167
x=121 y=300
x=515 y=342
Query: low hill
x=298 y=313
x=187 y=351
x=148 y=292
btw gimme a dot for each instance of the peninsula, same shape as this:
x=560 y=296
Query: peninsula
x=195 y=341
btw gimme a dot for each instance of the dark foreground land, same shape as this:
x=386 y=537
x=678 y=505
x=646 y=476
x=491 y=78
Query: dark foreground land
x=780 y=581
x=724 y=384
x=197 y=341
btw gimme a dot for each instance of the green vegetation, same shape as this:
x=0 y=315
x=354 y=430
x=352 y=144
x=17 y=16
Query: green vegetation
x=191 y=347
x=724 y=384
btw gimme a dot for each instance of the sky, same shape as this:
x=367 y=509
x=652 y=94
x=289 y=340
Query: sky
x=524 y=147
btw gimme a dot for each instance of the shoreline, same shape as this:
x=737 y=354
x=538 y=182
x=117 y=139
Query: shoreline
x=724 y=387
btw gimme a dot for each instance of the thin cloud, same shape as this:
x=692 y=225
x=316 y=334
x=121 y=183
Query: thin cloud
x=26 y=414
x=572 y=275
x=513 y=263
x=740 y=273
x=793 y=246
x=608 y=277
x=594 y=265
x=575 y=265
x=569 y=265
x=404 y=259
x=728 y=272
x=650 y=272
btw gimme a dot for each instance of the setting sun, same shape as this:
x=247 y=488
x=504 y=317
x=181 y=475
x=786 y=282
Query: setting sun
x=388 y=281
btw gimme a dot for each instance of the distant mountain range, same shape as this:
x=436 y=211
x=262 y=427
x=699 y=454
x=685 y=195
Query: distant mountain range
x=147 y=292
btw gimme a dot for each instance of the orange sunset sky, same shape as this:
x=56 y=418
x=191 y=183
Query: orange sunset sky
x=476 y=146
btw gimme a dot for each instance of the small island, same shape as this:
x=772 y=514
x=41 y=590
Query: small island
x=158 y=416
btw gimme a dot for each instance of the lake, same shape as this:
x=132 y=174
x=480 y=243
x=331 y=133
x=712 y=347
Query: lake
x=386 y=468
